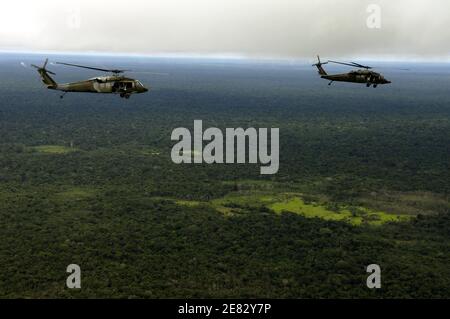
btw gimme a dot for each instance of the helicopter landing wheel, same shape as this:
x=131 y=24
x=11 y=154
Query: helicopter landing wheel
x=375 y=85
x=122 y=95
x=127 y=96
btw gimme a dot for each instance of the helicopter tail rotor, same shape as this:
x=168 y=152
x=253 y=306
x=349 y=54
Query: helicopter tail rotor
x=319 y=66
x=45 y=77
x=43 y=68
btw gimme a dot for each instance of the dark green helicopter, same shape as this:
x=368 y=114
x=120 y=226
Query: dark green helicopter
x=364 y=75
x=113 y=84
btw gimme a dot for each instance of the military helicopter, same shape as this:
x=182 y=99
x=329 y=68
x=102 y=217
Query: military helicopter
x=363 y=75
x=115 y=83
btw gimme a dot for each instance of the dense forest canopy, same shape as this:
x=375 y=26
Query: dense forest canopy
x=364 y=178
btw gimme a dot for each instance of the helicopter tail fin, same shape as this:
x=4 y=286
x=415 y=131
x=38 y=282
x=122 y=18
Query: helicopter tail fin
x=45 y=77
x=319 y=66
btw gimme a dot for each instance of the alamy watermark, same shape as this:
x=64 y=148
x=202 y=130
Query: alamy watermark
x=374 y=19
x=231 y=147
x=74 y=279
x=73 y=19
x=374 y=279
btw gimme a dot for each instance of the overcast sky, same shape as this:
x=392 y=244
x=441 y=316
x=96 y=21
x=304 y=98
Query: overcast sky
x=254 y=28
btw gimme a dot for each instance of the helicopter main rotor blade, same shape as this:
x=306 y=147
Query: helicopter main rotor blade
x=343 y=63
x=148 y=72
x=91 y=68
x=362 y=66
x=352 y=64
x=389 y=68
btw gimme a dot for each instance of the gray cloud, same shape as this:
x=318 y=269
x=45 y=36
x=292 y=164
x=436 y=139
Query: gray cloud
x=257 y=28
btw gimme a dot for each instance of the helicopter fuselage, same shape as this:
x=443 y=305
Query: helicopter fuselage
x=103 y=84
x=113 y=84
x=359 y=76
x=364 y=75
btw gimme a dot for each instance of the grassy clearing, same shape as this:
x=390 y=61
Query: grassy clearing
x=53 y=149
x=245 y=199
x=265 y=194
x=298 y=206
x=76 y=193
x=188 y=203
x=149 y=152
x=241 y=202
x=352 y=215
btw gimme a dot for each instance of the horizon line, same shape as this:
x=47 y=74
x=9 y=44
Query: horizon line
x=224 y=56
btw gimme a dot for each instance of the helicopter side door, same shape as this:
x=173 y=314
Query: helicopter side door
x=122 y=86
x=102 y=86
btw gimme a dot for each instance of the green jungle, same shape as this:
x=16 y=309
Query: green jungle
x=364 y=179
